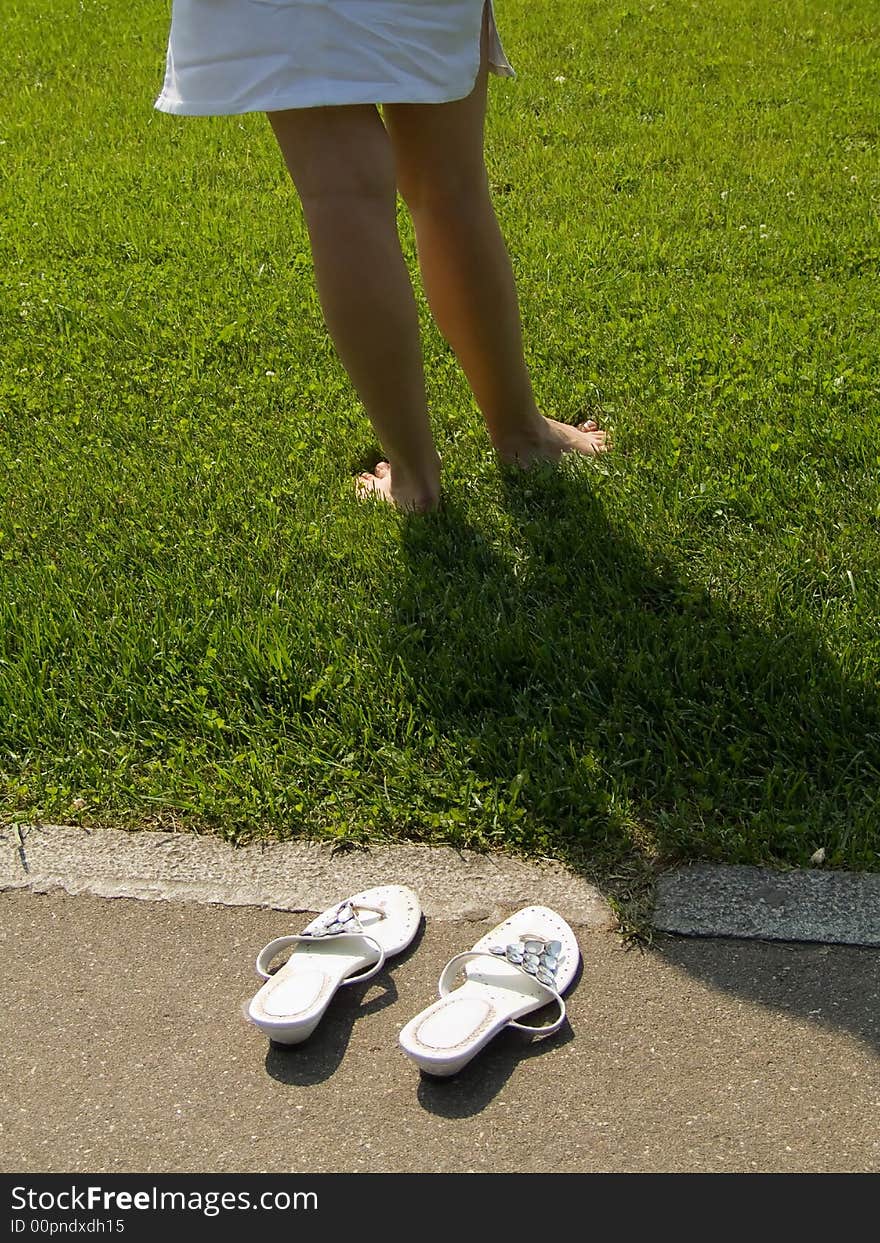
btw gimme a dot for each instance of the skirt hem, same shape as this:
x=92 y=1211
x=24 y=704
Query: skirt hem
x=381 y=95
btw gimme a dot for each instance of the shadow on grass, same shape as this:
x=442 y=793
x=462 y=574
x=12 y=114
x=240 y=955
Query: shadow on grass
x=620 y=718
x=607 y=706
x=609 y=709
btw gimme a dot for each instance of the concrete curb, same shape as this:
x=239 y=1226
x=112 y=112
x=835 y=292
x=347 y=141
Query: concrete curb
x=288 y=876
x=706 y=900
x=697 y=900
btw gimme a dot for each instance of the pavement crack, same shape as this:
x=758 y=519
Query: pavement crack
x=22 y=854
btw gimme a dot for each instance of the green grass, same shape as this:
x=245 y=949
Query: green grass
x=673 y=655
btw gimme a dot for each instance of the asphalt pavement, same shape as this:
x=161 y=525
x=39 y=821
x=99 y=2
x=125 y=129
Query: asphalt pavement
x=126 y=1048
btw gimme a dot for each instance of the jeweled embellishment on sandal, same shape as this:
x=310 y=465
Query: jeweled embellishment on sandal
x=535 y=957
x=343 y=919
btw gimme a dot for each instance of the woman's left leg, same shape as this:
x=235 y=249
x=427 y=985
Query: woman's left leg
x=342 y=165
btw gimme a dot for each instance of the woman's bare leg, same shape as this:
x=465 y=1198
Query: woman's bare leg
x=342 y=165
x=466 y=269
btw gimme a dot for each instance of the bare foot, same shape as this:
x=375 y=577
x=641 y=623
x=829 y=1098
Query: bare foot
x=550 y=440
x=403 y=496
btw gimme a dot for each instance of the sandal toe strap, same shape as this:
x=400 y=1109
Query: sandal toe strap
x=274 y=948
x=451 y=970
x=339 y=923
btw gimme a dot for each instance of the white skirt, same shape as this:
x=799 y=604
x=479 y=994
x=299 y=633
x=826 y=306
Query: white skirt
x=232 y=56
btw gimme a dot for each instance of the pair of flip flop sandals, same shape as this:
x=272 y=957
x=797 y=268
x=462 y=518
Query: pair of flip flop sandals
x=525 y=963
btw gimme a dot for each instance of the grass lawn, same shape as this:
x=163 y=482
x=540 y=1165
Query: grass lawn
x=672 y=655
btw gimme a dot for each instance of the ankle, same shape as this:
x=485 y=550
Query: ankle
x=528 y=428
x=418 y=480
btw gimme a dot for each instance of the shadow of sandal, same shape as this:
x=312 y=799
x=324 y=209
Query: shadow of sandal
x=479 y=1082
x=317 y=1058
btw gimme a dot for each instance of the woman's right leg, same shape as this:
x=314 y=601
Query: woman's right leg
x=342 y=165
x=466 y=269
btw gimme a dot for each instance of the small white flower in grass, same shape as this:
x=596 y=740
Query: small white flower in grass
x=724 y=193
x=559 y=78
x=838 y=382
x=270 y=374
x=789 y=194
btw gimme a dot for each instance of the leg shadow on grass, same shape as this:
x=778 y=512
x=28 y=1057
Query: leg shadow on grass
x=578 y=697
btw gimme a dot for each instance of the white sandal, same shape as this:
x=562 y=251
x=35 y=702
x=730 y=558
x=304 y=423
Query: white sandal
x=526 y=962
x=331 y=951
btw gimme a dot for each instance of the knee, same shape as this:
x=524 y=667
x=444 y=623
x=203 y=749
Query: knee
x=349 y=187
x=336 y=155
x=444 y=192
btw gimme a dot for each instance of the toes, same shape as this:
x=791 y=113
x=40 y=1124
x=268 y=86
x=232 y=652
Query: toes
x=365 y=483
x=379 y=471
x=375 y=483
x=599 y=441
